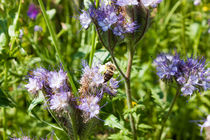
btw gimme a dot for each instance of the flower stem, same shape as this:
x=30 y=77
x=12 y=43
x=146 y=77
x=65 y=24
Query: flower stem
x=127 y=85
x=169 y=112
x=15 y=22
x=5 y=124
x=128 y=90
x=56 y=45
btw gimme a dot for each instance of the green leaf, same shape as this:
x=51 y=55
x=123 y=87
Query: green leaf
x=6 y=100
x=35 y=102
x=113 y=122
x=101 y=56
x=144 y=126
x=3 y=40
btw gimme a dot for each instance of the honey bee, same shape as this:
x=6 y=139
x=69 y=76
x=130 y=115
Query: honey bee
x=109 y=71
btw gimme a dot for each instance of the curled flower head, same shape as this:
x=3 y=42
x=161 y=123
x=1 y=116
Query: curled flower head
x=89 y=105
x=117 y=19
x=33 y=11
x=166 y=66
x=59 y=101
x=191 y=74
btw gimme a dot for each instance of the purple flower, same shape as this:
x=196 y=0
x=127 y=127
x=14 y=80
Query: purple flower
x=59 y=101
x=34 y=85
x=85 y=19
x=112 y=87
x=33 y=11
x=22 y=138
x=166 y=66
x=37 y=28
x=109 y=20
x=190 y=74
x=90 y=106
x=92 y=81
x=205 y=124
x=152 y=3
x=197 y=2
x=21 y=33
x=127 y=2
x=57 y=80
x=107 y=17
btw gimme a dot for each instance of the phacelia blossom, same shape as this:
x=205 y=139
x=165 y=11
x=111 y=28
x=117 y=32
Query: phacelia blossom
x=191 y=74
x=107 y=17
x=33 y=11
x=37 y=28
x=127 y=2
x=152 y=3
x=22 y=138
x=205 y=124
x=85 y=19
x=59 y=101
x=166 y=65
x=92 y=81
x=21 y=33
x=34 y=85
x=57 y=79
x=90 y=106
x=197 y=2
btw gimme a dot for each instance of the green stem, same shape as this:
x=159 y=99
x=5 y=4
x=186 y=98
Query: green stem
x=169 y=112
x=4 y=109
x=73 y=120
x=128 y=90
x=127 y=84
x=93 y=47
x=15 y=24
x=5 y=124
x=56 y=45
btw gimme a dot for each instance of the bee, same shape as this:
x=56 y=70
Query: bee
x=109 y=71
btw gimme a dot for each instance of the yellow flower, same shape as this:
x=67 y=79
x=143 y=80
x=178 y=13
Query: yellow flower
x=205 y=8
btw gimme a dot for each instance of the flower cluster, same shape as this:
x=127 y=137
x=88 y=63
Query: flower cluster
x=93 y=86
x=191 y=74
x=54 y=84
x=113 y=15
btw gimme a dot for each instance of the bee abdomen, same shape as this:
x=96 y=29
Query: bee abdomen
x=108 y=75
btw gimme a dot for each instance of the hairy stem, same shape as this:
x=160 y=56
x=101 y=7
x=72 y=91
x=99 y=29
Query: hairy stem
x=127 y=85
x=169 y=112
x=116 y=64
x=56 y=45
x=128 y=90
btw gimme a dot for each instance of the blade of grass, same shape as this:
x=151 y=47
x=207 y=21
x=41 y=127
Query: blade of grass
x=93 y=47
x=56 y=45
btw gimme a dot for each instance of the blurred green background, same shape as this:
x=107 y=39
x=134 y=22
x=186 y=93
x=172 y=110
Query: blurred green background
x=177 y=26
